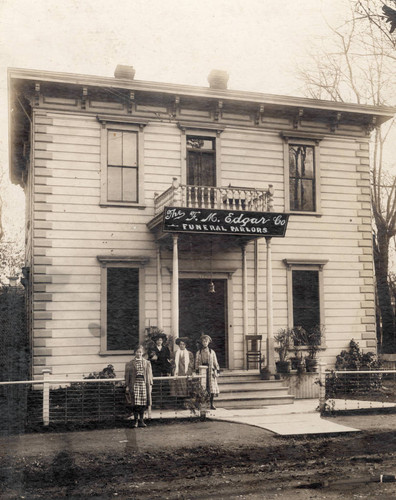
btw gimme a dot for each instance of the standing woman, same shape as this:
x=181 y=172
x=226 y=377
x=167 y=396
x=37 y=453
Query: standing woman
x=138 y=384
x=207 y=357
x=159 y=355
x=183 y=366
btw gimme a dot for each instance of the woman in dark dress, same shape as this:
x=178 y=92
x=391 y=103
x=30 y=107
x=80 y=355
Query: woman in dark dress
x=160 y=357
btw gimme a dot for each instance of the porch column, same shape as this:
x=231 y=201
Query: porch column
x=270 y=313
x=244 y=301
x=175 y=288
x=256 y=281
x=159 y=288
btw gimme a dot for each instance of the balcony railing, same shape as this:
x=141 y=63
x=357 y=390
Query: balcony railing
x=220 y=198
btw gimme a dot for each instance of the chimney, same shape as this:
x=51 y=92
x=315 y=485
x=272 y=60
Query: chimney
x=124 y=72
x=218 y=79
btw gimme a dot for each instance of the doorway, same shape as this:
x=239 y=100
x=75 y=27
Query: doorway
x=201 y=311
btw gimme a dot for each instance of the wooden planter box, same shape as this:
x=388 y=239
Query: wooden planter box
x=303 y=386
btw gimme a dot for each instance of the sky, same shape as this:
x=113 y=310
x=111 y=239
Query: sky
x=260 y=43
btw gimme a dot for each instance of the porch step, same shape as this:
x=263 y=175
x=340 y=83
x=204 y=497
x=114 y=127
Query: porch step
x=245 y=389
x=253 y=394
x=254 y=403
x=240 y=376
x=250 y=386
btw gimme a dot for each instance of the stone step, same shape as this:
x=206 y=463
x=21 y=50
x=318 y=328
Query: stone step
x=246 y=389
x=254 y=402
x=252 y=394
x=239 y=376
x=233 y=379
x=250 y=385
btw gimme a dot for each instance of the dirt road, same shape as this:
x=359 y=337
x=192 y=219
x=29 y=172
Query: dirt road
x=200 y=460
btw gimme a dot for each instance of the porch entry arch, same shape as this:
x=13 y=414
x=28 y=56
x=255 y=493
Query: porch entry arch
x=200 y=310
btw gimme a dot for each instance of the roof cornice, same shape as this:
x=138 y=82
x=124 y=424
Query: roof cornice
x=203 y=92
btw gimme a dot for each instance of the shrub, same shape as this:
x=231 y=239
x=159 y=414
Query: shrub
x=359 y=385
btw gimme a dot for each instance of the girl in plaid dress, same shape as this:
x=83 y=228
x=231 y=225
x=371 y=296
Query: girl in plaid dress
x=138 y=384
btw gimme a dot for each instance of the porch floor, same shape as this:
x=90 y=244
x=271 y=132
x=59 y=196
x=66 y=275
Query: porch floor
x=299 y=418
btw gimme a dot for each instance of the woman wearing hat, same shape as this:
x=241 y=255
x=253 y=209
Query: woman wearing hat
x=138 y=384
x=183 y=366
x=159 y=355
x=207 y=357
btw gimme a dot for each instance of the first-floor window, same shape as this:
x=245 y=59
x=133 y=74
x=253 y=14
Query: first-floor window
x=122 y=321
x=305 y=299
x=306 y=306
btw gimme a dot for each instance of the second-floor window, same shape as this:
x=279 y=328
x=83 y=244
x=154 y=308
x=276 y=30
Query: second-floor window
x=122 y=166
x=201 y=161
x=302 y=178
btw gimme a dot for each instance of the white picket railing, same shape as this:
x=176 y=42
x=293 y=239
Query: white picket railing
x=220 y=198
x=356 y=390
x=55 y=382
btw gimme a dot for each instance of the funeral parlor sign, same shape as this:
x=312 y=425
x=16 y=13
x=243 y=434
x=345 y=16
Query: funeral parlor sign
x=211 y=221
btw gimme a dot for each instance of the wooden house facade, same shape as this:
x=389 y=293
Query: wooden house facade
x=190 y=209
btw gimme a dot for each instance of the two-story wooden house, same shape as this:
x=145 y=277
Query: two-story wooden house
x=190 y=209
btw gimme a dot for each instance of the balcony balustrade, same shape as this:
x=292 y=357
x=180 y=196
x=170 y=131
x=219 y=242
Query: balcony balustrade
x=220 y=198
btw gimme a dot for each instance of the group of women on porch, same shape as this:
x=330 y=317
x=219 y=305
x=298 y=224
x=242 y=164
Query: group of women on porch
x=139 y=372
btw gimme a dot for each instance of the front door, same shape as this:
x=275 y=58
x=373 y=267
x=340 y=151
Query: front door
x=203 y=312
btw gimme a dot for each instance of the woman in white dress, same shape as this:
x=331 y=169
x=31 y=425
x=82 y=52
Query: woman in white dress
x=183 y=365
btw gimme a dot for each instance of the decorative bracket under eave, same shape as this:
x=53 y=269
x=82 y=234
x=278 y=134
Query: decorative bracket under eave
x=84 y=98
x=218 y=111
x=297 y=119
x=176 y=106
x=334 y=124
x=259 y=115
x=37 y=90
x=130 y=102
x=371 y=125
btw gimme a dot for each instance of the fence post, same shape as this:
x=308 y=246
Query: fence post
x=46 y=387
x=322 y=385
x=202 y=374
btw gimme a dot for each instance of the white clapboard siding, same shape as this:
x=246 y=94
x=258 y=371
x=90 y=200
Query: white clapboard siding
x=57 y=165
x=67 y=162
x=73 y=306
x=73 y=342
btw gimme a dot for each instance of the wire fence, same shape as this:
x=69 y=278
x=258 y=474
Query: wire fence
x=26 y=406
x=348 y=391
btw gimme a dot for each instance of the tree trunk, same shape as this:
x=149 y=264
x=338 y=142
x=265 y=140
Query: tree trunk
x=381 y=252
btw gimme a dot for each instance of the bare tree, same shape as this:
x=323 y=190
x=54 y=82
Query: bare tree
x=381 y=14
x=359 y=69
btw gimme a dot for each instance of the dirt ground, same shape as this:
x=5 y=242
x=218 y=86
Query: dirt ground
x=201 y=460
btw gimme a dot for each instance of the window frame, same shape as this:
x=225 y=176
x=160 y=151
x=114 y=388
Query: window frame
x=121 y=126
x=200 y=130
x=201 y=152
x=302 y=139
x=306 y=265
x=107 y=262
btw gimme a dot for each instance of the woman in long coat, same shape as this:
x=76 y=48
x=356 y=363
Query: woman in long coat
x=207 y=357
x=138 y=384
x=159 y=355
x=183 y=365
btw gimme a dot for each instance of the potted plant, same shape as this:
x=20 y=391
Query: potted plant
x=297 y=361
x=265 y=374
x=311 y=341
x=283 y=338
